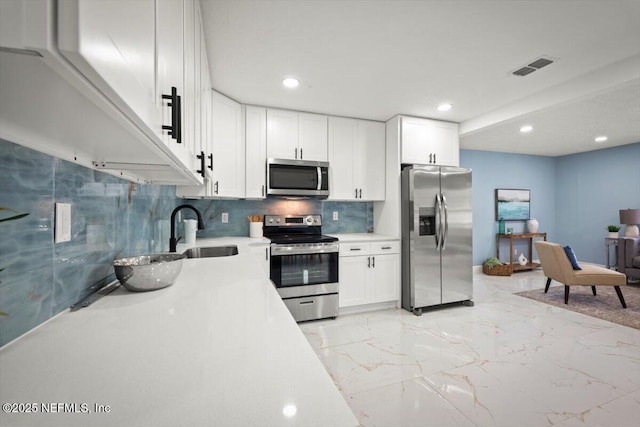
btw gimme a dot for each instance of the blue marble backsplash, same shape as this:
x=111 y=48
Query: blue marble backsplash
x=110 y=218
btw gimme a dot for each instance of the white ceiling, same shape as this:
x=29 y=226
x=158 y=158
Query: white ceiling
x=376 y=59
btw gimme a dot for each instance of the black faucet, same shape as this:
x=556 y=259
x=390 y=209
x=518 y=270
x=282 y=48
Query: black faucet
x=173 y=242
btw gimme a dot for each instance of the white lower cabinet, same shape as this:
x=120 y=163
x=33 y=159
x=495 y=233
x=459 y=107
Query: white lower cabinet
x=262 y=255
x=369 y=273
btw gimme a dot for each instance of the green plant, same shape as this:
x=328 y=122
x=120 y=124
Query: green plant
x=613 y=228
x=492 y=262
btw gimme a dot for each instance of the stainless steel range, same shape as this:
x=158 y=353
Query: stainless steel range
x=304 y=265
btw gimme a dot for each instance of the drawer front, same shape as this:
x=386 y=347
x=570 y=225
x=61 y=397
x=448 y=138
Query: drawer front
x=355 y=249
x=380 y=248
x=314 y=307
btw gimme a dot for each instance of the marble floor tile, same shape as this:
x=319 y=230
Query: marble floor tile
x=508 y=361
x=408 y=403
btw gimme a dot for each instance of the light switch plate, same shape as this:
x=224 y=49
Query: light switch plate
x=62 y=223
x=225 y=217
x=335 y=215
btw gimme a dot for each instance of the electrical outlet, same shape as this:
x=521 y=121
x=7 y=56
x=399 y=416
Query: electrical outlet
x=335 y=215
x=62 y=224
x=225 y=217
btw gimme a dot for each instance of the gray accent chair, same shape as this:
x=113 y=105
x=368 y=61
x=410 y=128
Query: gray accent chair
x=629 y=257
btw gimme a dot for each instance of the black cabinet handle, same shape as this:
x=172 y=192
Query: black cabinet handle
x=210 y=156
x=296 y=154
x=360 y=195
x=301 y=154
x=216 y=187
x=434 y=158
x=175 y=130
x=179 y=120
x=368 y=262
x=201 y=158
x=373 y=262
x=430 y=157
x=356 y=193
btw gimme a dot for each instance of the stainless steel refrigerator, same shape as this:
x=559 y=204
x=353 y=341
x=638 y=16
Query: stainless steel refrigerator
x=436 y=237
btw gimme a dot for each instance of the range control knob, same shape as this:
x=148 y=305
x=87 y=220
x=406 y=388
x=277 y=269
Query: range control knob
x=309 y=220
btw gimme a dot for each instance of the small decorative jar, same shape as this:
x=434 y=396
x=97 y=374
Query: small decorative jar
x=501 y=226
x=532 y=225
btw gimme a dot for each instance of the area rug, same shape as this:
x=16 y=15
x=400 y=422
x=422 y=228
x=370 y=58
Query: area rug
x=605 y=305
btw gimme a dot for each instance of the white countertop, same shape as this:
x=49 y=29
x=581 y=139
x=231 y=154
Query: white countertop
x=217 y=348
x=364 y=237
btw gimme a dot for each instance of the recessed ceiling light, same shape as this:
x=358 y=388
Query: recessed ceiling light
x=444 y=107
x=525 y=129
x=291 y=82
x=600 y=138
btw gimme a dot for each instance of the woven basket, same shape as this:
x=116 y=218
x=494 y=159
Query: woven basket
x=498 y=270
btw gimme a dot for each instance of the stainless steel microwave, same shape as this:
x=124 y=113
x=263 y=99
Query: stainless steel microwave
x=297 y=178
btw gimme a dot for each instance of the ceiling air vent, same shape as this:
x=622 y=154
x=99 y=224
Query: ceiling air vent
x=535 y=65
x=524 y=71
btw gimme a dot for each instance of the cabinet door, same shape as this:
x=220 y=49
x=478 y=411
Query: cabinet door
x=282 y=134
x=353 y=281
x=343 y=138
x=189 y=107
x=206 y=143
x=416 y=134
x=256 y=148
x=312 y=137
x=446 y=145
x=170 y=56
x=228 y=147
x=113 y=43
x=385 y=278
x=369 y=160
x=262 y=255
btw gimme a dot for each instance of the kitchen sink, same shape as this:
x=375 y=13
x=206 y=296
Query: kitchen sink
x=211 y=251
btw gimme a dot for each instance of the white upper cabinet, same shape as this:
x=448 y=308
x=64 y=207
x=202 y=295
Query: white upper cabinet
x=256 y=151
x=113 y=44
x=312 y=137
x=228 y=147
x=282 y=134
x=356 y=159
x=343 y=146
x=426 y=141
x=371 y=162
x=296 y=136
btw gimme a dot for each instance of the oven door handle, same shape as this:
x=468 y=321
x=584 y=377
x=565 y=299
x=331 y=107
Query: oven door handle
x=288 y=250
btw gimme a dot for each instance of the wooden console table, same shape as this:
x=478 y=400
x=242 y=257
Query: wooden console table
x=516 y=266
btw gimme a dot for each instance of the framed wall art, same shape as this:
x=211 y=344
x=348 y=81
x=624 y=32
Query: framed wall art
x=513 y=204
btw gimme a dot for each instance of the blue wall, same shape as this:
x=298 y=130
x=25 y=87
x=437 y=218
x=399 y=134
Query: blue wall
x=591 y=188
x=493 y=170
x=573 y=197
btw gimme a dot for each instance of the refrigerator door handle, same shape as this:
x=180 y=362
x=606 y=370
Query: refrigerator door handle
x=438 y=234
x=446 y=221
